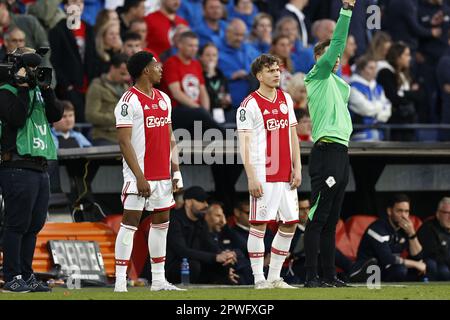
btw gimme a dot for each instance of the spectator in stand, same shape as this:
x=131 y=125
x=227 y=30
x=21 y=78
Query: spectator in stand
x=73 y=59
x=160 y=25
x=212 y=27
x=379 y=48
x=35 y=35
x=63 y=133
x=303 y=58
x=261 y=34
x=282 y=47
x=215 y=81
x=349 y=53
x=304 y=127
x=12 y=39
x=188 y=237
x=432 y=13
x=102 y=97
x=191 y=11
x=386 y=239
x=175 y=41
x=368 y=104
x=399 y=89
x=402 y=23
x=322 y=30
x=107 y=43
x=434 y=235
x=444 y=86
x=105 y=16
x=235 y=59
x=297 y=89
x=225 y=175
x=132 y=43
x=294 y=9
x=184 y=82
x=92 y=8
x=131 y=10
x=244 y=10
x=49 y=13
x=139 y=26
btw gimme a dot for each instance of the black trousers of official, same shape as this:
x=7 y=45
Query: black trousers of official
x=26 y=194
x=329 y=171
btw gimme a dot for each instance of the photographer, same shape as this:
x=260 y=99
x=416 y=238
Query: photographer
x=27 y=105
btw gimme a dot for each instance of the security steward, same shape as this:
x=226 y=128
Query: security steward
x=26 y=109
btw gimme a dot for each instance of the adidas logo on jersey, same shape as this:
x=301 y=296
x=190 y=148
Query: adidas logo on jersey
x=266 y=112
x=146 y=107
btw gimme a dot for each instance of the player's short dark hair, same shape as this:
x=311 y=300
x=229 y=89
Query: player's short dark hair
x=137 y=62
x=263 y=61
x=319 y=48
x=188 y=35
x=131 y=36
x=118 y=59
x=362 y=62
x=397 y=198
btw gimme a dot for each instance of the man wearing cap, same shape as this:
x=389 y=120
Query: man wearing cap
x=26 y=110
x=189 y=238
x=151 y=172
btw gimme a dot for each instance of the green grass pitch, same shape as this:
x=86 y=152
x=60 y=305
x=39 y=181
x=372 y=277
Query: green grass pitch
x=409 y=291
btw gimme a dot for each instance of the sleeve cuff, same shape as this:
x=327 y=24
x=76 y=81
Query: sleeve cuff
x=347 y=13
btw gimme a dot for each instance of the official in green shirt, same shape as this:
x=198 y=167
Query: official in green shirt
x=328 y=163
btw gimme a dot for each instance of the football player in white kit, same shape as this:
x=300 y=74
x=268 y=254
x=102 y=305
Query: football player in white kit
x=271 y=155
x=150 y=167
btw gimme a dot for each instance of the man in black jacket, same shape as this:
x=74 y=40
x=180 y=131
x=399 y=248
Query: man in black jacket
x=26 y=144
x=188 y=237
x=73 y=57
x=386 y=239
x=434 y=235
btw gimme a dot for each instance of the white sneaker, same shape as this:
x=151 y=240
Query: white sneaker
x=263 y=284
x=121 y=285
x=164 y=286
x=280 y=284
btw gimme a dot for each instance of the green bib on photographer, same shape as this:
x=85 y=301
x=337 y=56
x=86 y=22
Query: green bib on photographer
x=34 y=138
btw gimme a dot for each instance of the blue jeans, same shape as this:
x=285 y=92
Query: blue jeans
x=26 y=194
x=437 y=271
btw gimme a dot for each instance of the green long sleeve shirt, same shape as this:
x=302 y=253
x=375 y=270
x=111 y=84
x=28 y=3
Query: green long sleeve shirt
x=327 y=93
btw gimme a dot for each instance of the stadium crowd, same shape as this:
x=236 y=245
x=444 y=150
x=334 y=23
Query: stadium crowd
x=398 y=70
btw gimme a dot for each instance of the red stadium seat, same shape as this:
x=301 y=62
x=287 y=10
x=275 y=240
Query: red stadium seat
x=417 y=222
x=343 y=241
x=86 y=231
x=356 y=226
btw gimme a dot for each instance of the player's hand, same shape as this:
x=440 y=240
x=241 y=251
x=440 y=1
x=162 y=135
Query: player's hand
x=143 y=187
x=177 y=181
x=233 y=276
x=407 y=225
x=296 y=179
x=350 y=2
x=255 y=188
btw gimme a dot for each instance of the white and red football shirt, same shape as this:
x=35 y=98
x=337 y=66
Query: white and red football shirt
x=149 y=116
x=270 y=123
